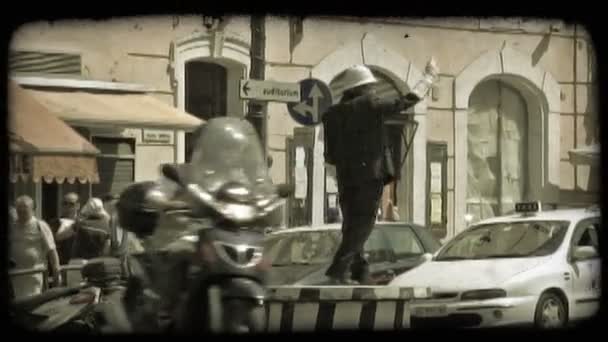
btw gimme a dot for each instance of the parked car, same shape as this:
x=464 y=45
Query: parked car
x=536 y=267
x=300 y=256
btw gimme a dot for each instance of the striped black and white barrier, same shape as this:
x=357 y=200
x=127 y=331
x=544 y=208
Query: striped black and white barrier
x=325 y=308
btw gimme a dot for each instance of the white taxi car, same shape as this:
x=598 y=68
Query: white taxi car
x=534 y=267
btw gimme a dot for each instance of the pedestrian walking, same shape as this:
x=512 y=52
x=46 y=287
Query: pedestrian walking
x=91 y=231
x=31 y=245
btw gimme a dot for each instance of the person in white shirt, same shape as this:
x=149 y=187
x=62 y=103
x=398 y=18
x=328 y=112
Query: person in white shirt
x=12 y=215
x=31 y=245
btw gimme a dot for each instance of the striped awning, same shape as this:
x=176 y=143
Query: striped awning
x=44 y=147
x=53 y=168
x=79 y=107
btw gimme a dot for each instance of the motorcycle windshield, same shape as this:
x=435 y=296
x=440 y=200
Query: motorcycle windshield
x=226 y=150
x=229 y=150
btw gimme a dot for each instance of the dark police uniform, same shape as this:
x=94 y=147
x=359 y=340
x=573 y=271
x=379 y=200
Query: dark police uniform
x=356 y=143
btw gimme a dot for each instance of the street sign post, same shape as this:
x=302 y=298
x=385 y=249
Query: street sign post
x=315 y=100
x=269 y=91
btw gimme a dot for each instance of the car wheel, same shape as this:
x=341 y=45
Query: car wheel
x=550 y=312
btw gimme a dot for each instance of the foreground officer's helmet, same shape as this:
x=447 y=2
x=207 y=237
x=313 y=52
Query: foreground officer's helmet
x=353 y=77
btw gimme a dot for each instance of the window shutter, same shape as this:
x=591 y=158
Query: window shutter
x=116 y=165
x=115 y=175
x=45 y=63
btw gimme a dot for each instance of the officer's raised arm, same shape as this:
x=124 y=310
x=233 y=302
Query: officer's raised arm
x=416 y=94
x=430 y=77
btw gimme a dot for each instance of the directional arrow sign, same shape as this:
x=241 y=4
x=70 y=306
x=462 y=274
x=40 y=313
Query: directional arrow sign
x=303 y=108
x=269 y=91
x=316 y=98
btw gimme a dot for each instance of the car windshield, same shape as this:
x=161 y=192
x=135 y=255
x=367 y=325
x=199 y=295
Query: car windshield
x=312 y=247
x=302 y=248
x=506 y=240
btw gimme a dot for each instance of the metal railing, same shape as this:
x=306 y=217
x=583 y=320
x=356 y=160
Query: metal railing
x=46 y=282
x=29 y=271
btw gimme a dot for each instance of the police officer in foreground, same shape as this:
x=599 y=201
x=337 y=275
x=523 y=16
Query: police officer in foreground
x=356 y=143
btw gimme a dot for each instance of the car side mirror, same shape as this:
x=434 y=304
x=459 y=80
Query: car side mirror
x=584 y=253
x=426 y=257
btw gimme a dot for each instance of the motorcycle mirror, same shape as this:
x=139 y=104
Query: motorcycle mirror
x=284 y=190
x=170 y=171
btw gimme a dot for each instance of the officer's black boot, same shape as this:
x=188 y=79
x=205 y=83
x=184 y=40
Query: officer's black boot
x=343 y=280
x=338 y=274
x=360 y=271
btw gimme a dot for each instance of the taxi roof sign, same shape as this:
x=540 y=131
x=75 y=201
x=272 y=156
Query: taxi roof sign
x=527 y=207
x=534 y=207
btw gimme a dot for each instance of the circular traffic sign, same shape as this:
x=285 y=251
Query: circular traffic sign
x=315 y=99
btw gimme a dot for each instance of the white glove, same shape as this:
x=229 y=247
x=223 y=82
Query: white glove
x=432 y=69
x=430 y=76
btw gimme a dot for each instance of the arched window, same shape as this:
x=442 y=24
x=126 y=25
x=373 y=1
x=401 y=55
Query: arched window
x=497 y=149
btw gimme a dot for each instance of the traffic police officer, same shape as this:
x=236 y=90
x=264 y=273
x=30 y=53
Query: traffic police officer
x=356 y=143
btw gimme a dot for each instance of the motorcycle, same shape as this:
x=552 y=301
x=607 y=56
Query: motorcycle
x=74 y=308
x=211 y=278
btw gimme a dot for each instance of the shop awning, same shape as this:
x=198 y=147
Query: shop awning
x=79 y=107
x=44 y=147
x=585 y=155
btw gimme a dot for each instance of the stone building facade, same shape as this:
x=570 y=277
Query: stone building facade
x=515 y=96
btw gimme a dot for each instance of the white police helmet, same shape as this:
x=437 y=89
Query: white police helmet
x=353 y=77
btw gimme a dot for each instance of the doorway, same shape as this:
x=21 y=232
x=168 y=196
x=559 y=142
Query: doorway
x=50 y=200
x=497 y=149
